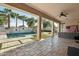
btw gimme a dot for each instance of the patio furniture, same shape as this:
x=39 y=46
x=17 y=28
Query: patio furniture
x=73 y=51
x=68 y=35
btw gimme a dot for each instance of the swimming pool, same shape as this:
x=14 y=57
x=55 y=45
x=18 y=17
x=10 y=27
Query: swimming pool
x=19 y=34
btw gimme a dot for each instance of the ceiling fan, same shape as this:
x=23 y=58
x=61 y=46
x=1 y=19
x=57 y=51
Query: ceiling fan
x=63 y=14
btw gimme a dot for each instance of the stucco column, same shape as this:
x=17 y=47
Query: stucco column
x=8 y=21
x=39 y=28
x=16 y=24
x=52 y=28
x=59 y=27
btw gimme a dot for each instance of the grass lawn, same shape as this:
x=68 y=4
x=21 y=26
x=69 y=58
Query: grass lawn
x=43 y=35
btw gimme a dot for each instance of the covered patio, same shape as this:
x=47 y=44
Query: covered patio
x=54 y=21
x=41 y=33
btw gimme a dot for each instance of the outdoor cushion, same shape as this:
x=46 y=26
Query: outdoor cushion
x=73 y=51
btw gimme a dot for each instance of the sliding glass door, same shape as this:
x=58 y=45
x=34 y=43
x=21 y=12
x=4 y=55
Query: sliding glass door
x=46 y=28
x=56 y=28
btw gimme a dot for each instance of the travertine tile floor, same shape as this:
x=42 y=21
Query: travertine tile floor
x=52 y=46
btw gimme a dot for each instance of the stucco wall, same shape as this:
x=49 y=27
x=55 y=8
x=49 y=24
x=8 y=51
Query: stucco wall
x=70 y=22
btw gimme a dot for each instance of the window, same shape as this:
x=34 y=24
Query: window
x=46 y=28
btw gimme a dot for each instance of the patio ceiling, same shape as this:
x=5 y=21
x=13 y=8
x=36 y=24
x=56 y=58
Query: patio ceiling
x=28 y=8
x=54 y=10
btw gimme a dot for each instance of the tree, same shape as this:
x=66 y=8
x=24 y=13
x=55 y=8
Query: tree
x=15 y=16
x=46 y=24
x=7 y=12
x=3 y=19
x=31 y=22
x=23 y=18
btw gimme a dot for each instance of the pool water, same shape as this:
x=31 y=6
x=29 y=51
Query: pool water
x=19 y=34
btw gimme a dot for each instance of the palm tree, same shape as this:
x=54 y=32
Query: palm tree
x=31 y=22
x=46 y=24
x=3 y=19
x=8 y=13
x=23 y=18
x=15 y=16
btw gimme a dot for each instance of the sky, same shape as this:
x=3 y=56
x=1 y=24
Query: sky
x=21 y=12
